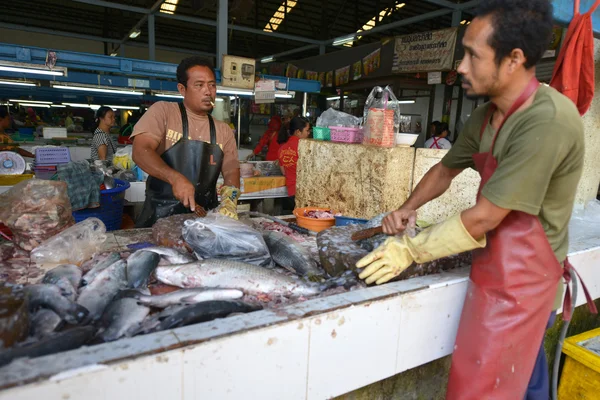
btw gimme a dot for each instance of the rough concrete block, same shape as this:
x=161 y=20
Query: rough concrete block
x=355 y=180
x=460 y=196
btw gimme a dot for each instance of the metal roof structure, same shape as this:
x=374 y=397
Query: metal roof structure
x=301 y=30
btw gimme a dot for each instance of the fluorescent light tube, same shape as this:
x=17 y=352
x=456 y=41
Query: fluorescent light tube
x=267 y=59
x=335 y=98
x=170 y=96
x=34 y=105
x=57 y=105
x=124 y=107
x=80 y=105
x=239 y=92
x=406 y=102
x=98 y=89
x=135 y=33
x=31 y=70
x=17 y=83
x=344 y=40
x=29 y=101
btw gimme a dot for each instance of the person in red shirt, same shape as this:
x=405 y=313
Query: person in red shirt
x=269 y=139
x=288 y=140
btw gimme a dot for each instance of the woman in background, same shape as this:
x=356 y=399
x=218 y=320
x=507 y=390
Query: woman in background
x=103 y=148
x=5 y=123
x=288 y=140
x=269 y=139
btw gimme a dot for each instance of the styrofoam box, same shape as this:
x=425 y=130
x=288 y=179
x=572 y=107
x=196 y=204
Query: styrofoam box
x=53 y=132
x=136 y=192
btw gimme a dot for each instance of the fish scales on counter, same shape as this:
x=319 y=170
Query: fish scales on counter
x=44 y=322
x=173 y=256
x=121 y=318
x=50 y=296
x=203 y=312
x=139 y=267
x=289 y=254
x=225 y=274
x=98 y=294
x=99 y=267
x=56 y=343
x=185 y=296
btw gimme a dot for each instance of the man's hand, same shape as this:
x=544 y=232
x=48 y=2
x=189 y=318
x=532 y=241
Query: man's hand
x=184 y=191
x=398 y=221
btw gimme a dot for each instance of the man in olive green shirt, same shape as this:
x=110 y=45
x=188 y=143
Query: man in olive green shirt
x=538 y=161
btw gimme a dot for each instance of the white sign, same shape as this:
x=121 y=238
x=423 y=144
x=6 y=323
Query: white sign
x=424 y=52
x=434 y=78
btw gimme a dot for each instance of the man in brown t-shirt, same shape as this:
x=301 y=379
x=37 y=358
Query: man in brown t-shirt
x=160 y=128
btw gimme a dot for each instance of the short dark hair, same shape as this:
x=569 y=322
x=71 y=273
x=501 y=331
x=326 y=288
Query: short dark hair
x=190 y=62
x=442 y=126
x=101 y=112
x=519 y=24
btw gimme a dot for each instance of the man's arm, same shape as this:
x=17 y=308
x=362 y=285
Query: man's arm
x=232 y=178
x=145 y=156
x=435 y=182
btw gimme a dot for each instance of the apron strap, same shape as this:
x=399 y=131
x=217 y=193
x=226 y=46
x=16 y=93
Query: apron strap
x=594 y=7
x=213 y=130
x=184 y=122
x=567 y=304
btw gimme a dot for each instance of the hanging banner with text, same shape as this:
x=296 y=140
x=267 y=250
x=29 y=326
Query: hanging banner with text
x=423 y=52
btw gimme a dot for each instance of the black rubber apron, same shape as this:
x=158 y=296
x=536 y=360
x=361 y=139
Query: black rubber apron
x=198 y=161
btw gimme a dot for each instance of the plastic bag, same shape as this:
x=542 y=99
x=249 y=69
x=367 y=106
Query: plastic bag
x=382 y=117
x=35 y=210
x=333 y=117
x=123 y=158
x=126 y=175
x=216 y=236
x=73 y=245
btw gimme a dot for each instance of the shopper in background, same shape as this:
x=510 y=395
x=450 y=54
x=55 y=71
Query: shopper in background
x=439 y=141
x=299 y=128
x=269 y=139
x=5 y=123
x=433 y=128
x=103 y=147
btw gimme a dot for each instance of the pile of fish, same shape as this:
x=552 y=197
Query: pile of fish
x=118 y=295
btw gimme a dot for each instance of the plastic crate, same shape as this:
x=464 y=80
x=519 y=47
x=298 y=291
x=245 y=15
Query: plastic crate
x=346 y=135
x=52 y=156
x=320 y=133
x=580 y=377
x=342 y=221
x=111 y=207
x=46 y=173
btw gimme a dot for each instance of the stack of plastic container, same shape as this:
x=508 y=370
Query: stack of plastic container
x=47 y=160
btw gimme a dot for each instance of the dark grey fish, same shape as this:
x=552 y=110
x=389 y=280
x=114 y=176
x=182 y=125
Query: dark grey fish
x=101 y=266
x=66 y=271
x=139 y=267
x=50 y=296
x=185 y=296
x=57 y=343
x=97 y=295
x=121 y=317
x=44 y=322
x=202 y=312
x=289 y=254
x=173 y=256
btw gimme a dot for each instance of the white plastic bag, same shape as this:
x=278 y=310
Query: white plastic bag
x=123 y=158
x=216 y=236
x=73 y=245
x=381 y=117
x=333 y=117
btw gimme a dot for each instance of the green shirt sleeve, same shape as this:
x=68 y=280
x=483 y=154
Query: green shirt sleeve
x=526 y=168
x=460 y=156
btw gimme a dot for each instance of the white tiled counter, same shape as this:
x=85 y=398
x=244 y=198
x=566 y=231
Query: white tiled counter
x=316 y=349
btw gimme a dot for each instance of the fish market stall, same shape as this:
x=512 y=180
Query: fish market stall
x=315 y=348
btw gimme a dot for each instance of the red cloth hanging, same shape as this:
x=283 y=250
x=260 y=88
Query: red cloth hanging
x=573 y=73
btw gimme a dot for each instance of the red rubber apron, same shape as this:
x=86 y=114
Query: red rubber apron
x=511 y=291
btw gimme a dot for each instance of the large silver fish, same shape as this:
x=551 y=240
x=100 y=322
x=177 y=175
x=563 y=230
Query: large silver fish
x=185 y=296
x=50 y=296
x=139 y=267
x=173 y=256
x=121 y=317
x=225 y=274
x=97 y=295
x=68 y=271
x=101 y=266
x=289 y=254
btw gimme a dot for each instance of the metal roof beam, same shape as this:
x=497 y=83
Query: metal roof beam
x=444 y=3
x=197 y=20
x=294 y=51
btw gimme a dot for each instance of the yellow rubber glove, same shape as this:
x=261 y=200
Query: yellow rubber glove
x=398 y=253
x=229 y=196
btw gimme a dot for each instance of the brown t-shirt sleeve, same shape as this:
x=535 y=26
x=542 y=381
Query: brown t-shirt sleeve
x=153 y=123
x=230 y=153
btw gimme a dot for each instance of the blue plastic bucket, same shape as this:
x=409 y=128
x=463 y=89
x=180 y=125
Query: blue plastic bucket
x=110 y=211
x=341 y=221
